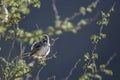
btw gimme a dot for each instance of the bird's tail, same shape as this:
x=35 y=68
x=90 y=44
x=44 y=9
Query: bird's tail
x=24 y=55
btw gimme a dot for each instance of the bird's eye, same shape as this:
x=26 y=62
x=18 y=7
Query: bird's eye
x=44 y=41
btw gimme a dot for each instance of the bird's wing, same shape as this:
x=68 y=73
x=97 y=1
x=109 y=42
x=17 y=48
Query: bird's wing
x=35 y=47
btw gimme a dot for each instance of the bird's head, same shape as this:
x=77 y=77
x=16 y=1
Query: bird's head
x=46 y=39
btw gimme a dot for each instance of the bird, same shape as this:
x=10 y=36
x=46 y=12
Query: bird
x=42 y=48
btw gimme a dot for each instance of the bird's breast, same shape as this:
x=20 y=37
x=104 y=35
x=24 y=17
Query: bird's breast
x=43 y=51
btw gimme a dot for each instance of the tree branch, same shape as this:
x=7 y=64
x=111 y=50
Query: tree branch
x=76 y=14
x=73 y=68
x=12 y=46
x=37 y=76
x=53 y=56
x=55 y=10
x=110 y=59
x=93 y=50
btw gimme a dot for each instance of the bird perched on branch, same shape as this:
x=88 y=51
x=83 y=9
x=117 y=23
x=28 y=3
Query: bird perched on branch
x=42 y=48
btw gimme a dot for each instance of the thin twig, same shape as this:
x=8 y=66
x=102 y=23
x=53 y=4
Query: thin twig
x=96 y=2
x=110 y=59
x=37 y=26
x=73 y=68
x=54 y=40
x=76 y=14
x=51 y=57
x=12 y=46
x=15 y=77
x=37 y=76
x=2 y=72
x=95 y=46
x=21 y=49
x=106 y=64
x=55 y=10
x=93 y=50
x=22 y=53
x=52 y=78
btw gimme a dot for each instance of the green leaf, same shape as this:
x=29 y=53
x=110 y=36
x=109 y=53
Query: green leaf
x=94 y=56
x=25 y=10
x=108 y=15
x=31 y=40
x=98 y=76
x=74 y=30
x=84 y=77
x=13 y=3
x=13 y=10
x=11 y=31
x=89 y=9
x=86 y=56
x=27 y=34
x=91 y=67
x=103 y=14
x=42 y=63
x=112 y=8
x=103 y=35
x=69 y=25
x=93 y=5
x=83 y=22
x=102 y=66
x=94 y=38
x=58 y=32
x=51 y=28
x=38 y=32
x=82 y=10
x=57 y=23
x=3 y=60
x=108 y=72
x=2 y=29
x=19 y=32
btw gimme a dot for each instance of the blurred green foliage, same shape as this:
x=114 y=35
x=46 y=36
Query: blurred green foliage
x=13 y=10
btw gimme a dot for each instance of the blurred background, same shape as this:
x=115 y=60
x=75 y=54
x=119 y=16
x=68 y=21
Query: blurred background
x=71 y=47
